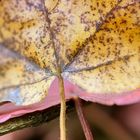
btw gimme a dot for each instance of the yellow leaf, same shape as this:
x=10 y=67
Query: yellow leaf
x=92 y=43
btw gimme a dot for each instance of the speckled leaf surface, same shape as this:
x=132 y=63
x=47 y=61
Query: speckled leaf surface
x=94 y=43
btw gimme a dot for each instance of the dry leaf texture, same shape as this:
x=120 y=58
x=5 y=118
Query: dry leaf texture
x=94 y=43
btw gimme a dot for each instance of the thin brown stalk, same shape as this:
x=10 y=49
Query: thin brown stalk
x=84 y=123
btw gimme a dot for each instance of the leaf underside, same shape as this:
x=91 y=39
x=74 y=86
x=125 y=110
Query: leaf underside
x=94 y=43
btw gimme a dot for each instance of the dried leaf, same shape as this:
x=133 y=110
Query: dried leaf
x=93 y=44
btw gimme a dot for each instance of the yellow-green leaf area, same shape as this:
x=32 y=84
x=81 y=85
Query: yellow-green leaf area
x=94 y=44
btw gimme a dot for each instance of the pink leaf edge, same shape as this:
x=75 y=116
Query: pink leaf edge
x=9 y=110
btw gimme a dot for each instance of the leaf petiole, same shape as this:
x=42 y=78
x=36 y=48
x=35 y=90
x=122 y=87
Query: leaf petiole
x=62 y=109
x=83 y=121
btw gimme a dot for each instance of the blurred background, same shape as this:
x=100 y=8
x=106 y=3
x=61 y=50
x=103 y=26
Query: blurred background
x=106 y=123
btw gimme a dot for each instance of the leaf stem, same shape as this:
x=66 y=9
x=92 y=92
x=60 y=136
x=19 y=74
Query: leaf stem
x=84 y=123
x=62 y=109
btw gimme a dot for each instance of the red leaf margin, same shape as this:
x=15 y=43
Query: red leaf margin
x=9 y=110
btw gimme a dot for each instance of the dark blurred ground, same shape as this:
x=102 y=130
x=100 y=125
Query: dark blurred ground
x=106 y=122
